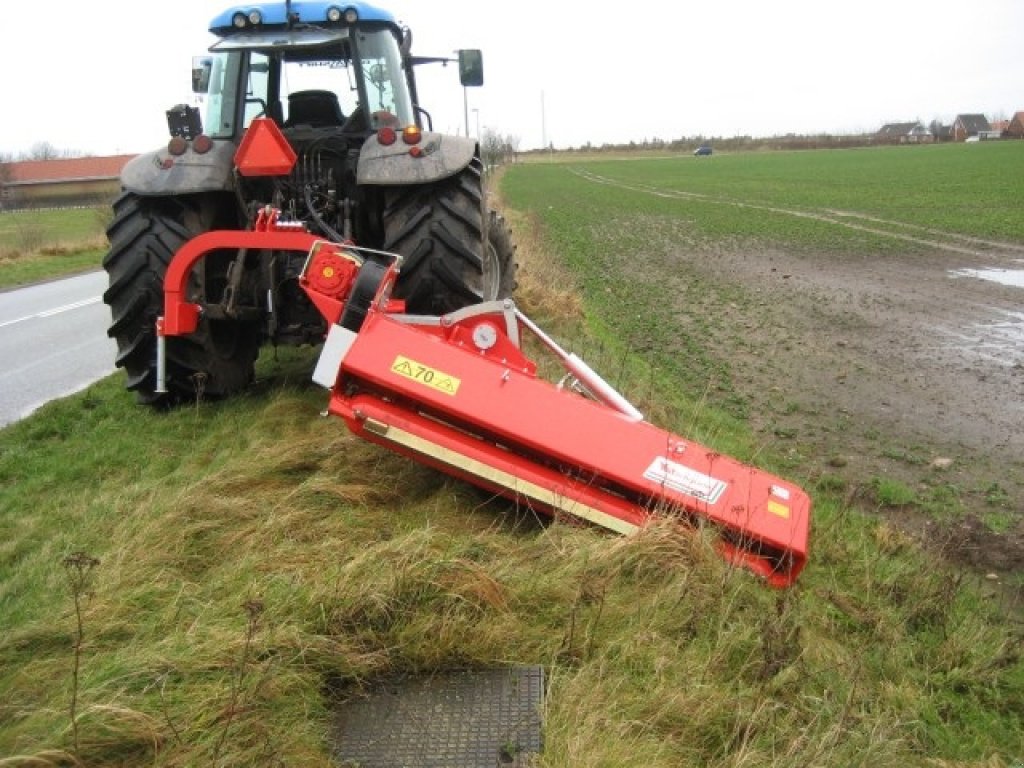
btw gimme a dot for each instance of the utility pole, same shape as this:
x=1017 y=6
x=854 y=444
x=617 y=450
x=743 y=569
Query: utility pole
x=543 y=124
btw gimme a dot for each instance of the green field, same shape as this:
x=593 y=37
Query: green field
x=39 y=245
x=971 y=189
x=192 y=587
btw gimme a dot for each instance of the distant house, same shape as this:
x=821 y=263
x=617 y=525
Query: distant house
x=61 y=183
x=1015 y=128
x=939 y=131
x=966 y=126
x=903 y=133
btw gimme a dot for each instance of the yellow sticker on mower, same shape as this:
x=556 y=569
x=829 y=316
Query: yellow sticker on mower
x=424 y=374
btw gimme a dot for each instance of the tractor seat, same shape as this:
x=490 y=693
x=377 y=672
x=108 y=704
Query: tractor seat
x=314 y=108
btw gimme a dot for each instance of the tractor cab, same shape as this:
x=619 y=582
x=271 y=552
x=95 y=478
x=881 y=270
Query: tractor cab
x=314 y=65
x=308 y=66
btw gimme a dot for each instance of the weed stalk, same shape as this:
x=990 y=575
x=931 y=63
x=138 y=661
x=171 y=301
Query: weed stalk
x=253 y=610
x=78 y=566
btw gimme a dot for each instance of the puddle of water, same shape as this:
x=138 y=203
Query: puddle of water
x=1001 y=341
x=1011 y=277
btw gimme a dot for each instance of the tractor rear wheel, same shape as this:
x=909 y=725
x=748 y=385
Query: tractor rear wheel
x=452 y=255
x=214 y=361
x=499 y=259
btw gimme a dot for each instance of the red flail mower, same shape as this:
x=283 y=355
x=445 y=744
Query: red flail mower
x=458 y=393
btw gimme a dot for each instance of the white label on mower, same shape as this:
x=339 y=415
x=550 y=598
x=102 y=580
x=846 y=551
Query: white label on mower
x=336 y=346
x=682 y=479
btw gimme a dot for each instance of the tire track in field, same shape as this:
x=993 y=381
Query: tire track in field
x=952 y=242
x=995 y=244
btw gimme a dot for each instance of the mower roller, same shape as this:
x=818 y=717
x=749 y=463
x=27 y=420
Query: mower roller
x=458 y=393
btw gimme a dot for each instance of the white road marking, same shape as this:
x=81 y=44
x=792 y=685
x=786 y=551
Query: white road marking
x=51 y=312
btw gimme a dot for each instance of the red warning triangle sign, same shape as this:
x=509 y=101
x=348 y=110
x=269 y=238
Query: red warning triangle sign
x=264 y=150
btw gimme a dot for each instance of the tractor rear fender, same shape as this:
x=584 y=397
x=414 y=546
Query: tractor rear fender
x=160 y=173
x=439 y=157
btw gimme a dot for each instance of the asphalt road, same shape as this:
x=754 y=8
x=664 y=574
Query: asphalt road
x=53 y=342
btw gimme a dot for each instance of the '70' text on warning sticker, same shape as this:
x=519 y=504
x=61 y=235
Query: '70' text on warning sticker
x=426 y=375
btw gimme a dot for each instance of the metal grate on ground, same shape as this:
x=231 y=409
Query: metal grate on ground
x=472 y=718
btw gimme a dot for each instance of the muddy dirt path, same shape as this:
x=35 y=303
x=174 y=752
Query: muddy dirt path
x=880 y=368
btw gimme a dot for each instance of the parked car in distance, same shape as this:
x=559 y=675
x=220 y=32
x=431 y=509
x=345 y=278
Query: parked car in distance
x=702 y=150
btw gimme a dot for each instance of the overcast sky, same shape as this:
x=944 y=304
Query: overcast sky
x=559 y=72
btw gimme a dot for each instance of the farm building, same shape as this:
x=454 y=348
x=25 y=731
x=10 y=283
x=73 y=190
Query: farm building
x=903 y=133
x=60 y=182
x=969 y=125
x=1015 y=128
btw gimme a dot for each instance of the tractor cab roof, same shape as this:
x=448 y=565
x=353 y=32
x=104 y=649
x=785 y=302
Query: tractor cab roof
x=259 y=19
x=288 y=40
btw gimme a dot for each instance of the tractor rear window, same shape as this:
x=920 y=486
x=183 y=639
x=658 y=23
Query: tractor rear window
x=221 y=96
x=327 y=85
x=316 y=85
x=383 y=77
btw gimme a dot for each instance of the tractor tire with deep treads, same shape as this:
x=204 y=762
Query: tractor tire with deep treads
x=214 y=361
x=449 y=260
x=500 y=257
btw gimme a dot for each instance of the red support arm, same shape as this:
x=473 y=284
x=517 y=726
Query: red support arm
x=181 y=317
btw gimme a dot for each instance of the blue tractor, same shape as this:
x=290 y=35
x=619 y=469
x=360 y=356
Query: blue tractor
x=337 y=80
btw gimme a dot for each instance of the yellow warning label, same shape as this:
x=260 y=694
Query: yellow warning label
x=431 y=377
x=778 y=509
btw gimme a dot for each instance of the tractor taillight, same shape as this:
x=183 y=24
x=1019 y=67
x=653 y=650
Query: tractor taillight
x=202 y=144
x=387 y=136
x=177 y=145
x=411 y=134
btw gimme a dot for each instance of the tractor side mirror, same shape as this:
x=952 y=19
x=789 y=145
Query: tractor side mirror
x=471 y=67
x=202 y=66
